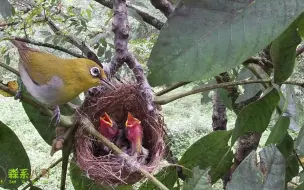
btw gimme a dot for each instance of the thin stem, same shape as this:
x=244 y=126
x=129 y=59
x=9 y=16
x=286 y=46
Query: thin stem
x=42 y=174
x=46 y=45
x=89 y=128
x=299 y=160
x=167 y=99
x=170 y=88
x=9 y=68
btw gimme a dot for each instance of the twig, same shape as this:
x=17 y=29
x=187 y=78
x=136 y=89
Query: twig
x=164 y=6
x=297 y=156
x=42 y=174
x=300 y=50
x=170 y=88
x=145 y=16
x=89 y=128
x=65 y=121
x=46 y=45
x=9 y=68
x=76 y=42
x=167 y=99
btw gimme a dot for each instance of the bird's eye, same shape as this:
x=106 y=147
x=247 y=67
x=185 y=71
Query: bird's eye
x=95 y=71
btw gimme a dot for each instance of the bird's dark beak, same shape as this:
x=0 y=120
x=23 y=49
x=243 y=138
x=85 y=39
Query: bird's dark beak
x=108 y=84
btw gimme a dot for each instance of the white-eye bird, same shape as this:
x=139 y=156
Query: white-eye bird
x=53 y=80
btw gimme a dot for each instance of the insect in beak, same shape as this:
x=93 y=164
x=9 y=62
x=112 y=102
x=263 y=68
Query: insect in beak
x=108 y=84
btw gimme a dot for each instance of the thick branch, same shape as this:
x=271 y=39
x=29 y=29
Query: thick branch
x=164 y=6
x=89 y=128
x=167 y=99
x=47 y=45
x=145 y=16
x=65 y=121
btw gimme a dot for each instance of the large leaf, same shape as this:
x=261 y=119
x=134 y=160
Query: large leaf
x=15 y=167
x=6 y=9
x=166 y=176
x=300 y=187
x=199 y=181
x=273 y=166
x=209 y=151
x=41 y=122
x=249 y=176
x=283 y=52
x=203 y=38
x=255 y=117
x=292 y=168
x=250 y=90
x=279 y=131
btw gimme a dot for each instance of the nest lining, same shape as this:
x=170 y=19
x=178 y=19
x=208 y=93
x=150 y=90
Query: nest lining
x=105 y=167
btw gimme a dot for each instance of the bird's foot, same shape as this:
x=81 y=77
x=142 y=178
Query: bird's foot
x=18 y=95
x=56 y=115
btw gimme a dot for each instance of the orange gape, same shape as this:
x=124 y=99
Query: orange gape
x=107 y=127
x=134 y=133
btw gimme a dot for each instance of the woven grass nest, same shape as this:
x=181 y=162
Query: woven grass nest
x=106 y=168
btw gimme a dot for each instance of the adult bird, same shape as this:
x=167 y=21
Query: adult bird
x=53 y=80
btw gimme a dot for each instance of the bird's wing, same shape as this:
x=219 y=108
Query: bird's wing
x=42 y=67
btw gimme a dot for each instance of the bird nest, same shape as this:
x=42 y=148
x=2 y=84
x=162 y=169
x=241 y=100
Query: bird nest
x=106 y=167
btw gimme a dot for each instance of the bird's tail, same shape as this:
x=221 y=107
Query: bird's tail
x=19 y=44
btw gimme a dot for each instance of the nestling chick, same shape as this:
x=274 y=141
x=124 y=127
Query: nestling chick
x=134 y=134
x=108 y=128
x=53 y=80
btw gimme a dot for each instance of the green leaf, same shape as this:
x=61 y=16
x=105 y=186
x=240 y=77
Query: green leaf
x=279 y=131
x=49 y=38
x=216 y=36
x=7 y=59
x=299 y=144
x=166 y=176
x=209 y=151
x=255 y=117
x=41 y=122
x=15 y=167
x=272 y=163
x=283 y=52
x=250 y=90
x=301 y=26
x=248 y=175
x=45 y=33
x=100 y=51
x=199 y=180
x=286 y=145
x=292 y=168
x=6 y=9
x=300 y=187
x=225 y=97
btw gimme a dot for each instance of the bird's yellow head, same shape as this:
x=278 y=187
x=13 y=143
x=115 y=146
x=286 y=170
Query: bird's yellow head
x=91 y=74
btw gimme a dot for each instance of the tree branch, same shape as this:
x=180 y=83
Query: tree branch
x=9 y=68
x=65 y=121
x=145 y=16
x=46 y=45
x=89 y=128
x=76 y=42
x=42 y=174
x=170 y=88
x=164 y=6
x=300 y=50
x=167 y=99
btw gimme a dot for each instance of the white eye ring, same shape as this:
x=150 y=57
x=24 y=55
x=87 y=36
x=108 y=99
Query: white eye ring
x=95 y=71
